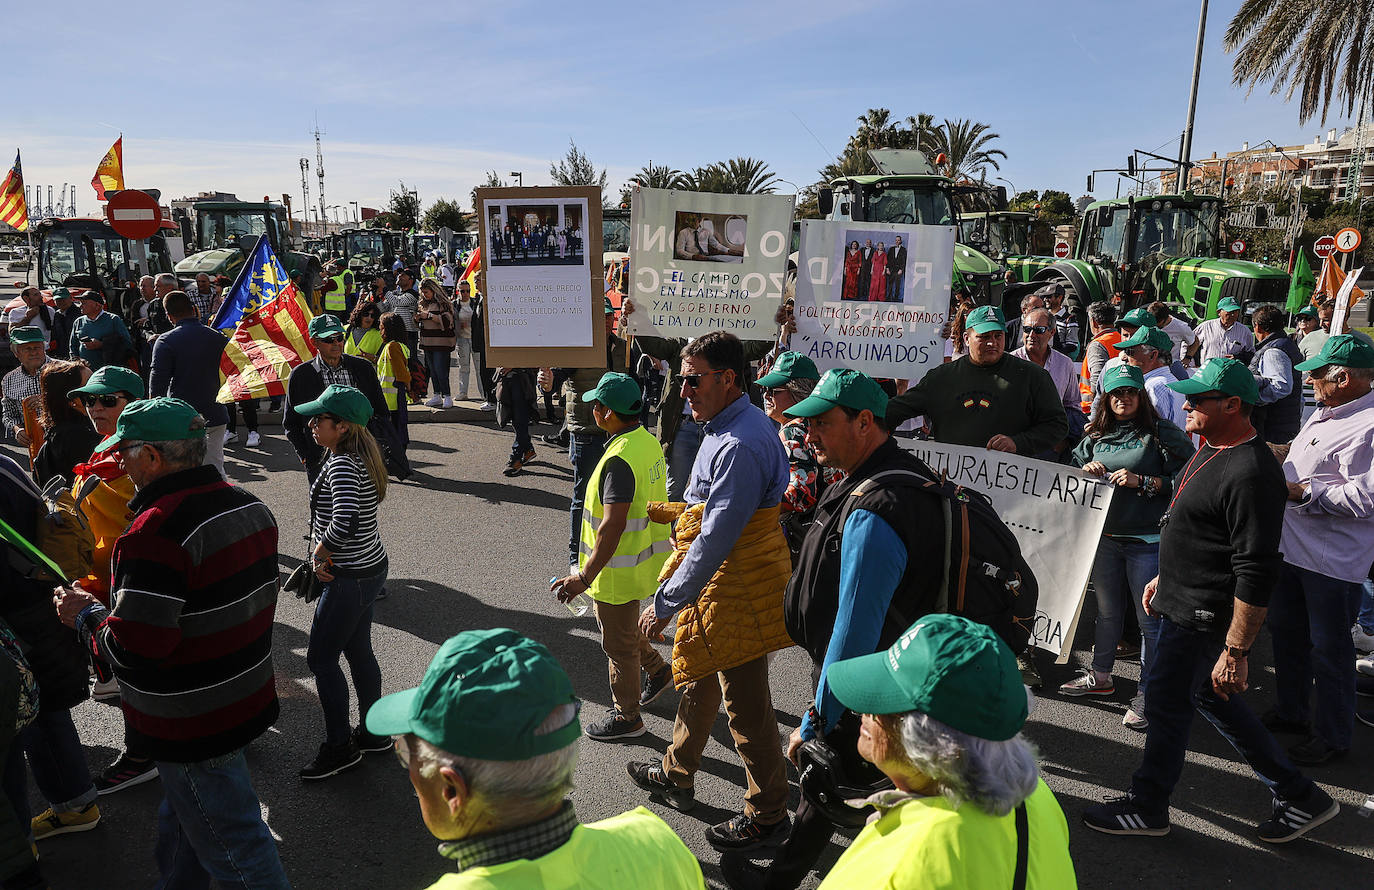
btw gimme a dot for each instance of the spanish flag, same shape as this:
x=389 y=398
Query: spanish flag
x=474 y=266
x=270 y=322
x=110 y=174
x=13 y=208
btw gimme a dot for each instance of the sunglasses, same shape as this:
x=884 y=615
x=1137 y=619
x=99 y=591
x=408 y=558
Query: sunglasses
x=1037 y=329
x=106 y=401
x=774 y=392
x=694 y=380
x=316 y=418
x=336 y=338
x=1191 y=402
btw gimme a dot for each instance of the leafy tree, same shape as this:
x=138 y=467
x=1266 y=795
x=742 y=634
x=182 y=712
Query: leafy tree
x=877 y=129
x=405 y=206
x=664 y=177
x=737 y=176
x=965 y=145
x=384 y=220
x=445 y=212
x=1056 y=205
x=492 y=181
x=1323 y=47
x=577 y=169
x=1024 y=200
x=711 y=178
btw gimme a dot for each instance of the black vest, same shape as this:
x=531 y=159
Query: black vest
x=811 y=601
x=1280 y=421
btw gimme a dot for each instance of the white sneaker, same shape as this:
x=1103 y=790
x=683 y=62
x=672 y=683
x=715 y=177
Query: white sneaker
x=486 y=406
x=230 y=437
x=434 y=401
x=1363 y=642
x=448 y=401
x=253 y=439
x=1365 y=665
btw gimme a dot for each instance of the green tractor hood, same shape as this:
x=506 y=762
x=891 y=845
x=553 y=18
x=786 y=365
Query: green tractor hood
x=219 y=261
x=972 y=262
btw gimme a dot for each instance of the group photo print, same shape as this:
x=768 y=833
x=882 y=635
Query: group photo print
x=523 y=234
x=875 y=267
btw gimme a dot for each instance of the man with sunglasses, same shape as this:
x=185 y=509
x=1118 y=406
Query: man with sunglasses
x=1037 y=335
x=307 y=382
x=1219 y=563
x=1148 y=349
x=185 y=365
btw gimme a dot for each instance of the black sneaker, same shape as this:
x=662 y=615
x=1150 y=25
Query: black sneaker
x=650 y=777
x=332 y=760
x=1294 y=818
x=1278 y=724
x=615 y=727
x=125 y=772
x=1030 y=674
x=740 y=873
x=368 y=743
x=1123 y=815
x=655 y=685
x=513 y=467
x=743 y=832
x=1314 y=752
x=1365 y=717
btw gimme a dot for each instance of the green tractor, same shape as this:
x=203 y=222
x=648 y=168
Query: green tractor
x=367 y=251
x=1155 y=247
x=1005 y=234
x=908 y=190
x=222 y=233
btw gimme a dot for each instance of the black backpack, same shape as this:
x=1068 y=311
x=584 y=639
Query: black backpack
x=984 y=577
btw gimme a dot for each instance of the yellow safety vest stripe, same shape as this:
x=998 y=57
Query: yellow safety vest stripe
x=632 y=572
x=336 y=300
x=386 y=373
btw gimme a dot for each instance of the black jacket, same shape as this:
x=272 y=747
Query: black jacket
x=305 y=385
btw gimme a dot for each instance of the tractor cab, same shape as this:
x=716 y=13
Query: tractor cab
x=88 y=254
x=365 y=249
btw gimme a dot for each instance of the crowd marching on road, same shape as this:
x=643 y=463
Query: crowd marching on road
x=771 y=506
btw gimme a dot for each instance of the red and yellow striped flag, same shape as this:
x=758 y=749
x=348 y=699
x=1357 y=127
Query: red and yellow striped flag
x=470 y=273
x=13 y=208
x=109 y=175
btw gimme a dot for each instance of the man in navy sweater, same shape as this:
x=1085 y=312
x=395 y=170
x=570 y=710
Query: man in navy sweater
x=186 y=365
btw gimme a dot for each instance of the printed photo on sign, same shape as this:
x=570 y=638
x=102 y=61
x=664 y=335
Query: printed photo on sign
x=875 y=268
x=709 y=237
x=536 y=234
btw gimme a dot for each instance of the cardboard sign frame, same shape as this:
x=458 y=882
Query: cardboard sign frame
x=593 y=356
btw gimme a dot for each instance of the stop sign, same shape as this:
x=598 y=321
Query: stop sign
x=1238 y=247
x=1061 y=249
x=134 y=214
x=1323 y=246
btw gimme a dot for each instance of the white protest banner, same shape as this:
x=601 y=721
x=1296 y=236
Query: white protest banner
x=704 y=262
x=1056 y=512
x=539 y=282
x=1345 y=299
x=873 y=296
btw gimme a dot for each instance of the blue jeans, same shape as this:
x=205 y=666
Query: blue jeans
x=343 y=626
x=1181 y=682
x=210 y=826
x=520 y=422
x=57 y=760
x=1120 y=572
x=437 y=364
x=1366 y=616
x=1309 y=618
x=680 y=459
x=584 y=450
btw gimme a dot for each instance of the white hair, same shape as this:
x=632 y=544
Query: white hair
x=511 y=792
x=1366 y=374
x=166 y=278
x=993 y=776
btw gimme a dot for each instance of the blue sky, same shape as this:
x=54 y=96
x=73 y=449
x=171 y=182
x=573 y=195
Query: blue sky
x=225 y=96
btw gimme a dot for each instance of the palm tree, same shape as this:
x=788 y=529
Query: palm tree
x=1324 y=47
x=920 y=130
x=965 y=146
x=663 y=177
x=876 y=129
x=737 y=176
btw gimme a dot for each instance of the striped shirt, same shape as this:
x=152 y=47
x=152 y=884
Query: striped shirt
x=16 y=386
x=194 y=589
x=343 y=510
x=404 y=303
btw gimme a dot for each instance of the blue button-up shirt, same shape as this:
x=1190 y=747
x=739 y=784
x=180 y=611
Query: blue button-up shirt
x=740 y=468
x=1331 y=531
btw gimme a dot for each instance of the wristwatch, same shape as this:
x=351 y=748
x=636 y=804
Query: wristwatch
x=1236 y=651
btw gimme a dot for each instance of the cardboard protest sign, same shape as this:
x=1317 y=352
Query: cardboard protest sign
x=704 y=262
x=542 y=276
x=1056 y=512
x=873 y=296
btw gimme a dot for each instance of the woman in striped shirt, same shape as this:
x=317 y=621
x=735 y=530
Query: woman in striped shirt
x=350 y=561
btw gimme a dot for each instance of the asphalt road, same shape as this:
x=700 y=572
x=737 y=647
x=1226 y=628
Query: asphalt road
x=470 y=548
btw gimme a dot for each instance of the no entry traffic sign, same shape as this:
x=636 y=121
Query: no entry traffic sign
x=1348 y=239
x=134 y=214
x=1061 y=249
x=1323 y=246
x=1238 y=247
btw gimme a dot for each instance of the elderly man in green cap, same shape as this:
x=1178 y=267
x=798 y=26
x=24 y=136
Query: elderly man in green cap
x=1219 y=563
x=1148 y=350
x=621 y=551
x=490 y=740
x=195 y=583
x=1224 y=336
x=943 y=708
x=29 y=346
x=307 y=382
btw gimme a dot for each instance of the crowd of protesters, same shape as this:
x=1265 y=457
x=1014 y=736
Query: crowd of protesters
x=775 y=506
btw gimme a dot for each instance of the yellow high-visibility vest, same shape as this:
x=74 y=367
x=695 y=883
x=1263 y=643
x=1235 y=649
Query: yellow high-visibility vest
x=633 y=570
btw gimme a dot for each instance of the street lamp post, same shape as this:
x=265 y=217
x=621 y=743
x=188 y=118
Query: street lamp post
x=1010 y=183
x=519 y=178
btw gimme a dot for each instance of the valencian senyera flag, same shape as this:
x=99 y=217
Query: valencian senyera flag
x=109 y=174
x=13 y=208
x=269 y=320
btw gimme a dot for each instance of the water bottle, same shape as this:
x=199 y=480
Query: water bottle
x=579 y=605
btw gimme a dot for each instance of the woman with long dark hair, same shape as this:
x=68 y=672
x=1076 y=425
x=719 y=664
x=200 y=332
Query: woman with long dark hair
x=853 y=258
x=350 y=561
x=435 y=317
x=68 y=437
x=364 y=337
x=1129 y=445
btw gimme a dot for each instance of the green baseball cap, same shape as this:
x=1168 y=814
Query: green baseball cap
x=1345 y=350
x=1122 y=376
x=617 y=391
x=483 y=696
x=1148 y=336
x=985 y=319
x=946 y=666
x=27 y=334
x=1223 y=375
x=842 y=386
x=1308 y=311
x=347 y=402
x=322 y=326
x=163 y=419
x=789 y=366
x=61 y=293
x=112 y=379
x=1139 y=317
x=1229 y=304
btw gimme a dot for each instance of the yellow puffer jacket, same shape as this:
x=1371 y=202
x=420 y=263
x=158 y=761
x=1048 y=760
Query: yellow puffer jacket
x=738 y=617
x=107 y=512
